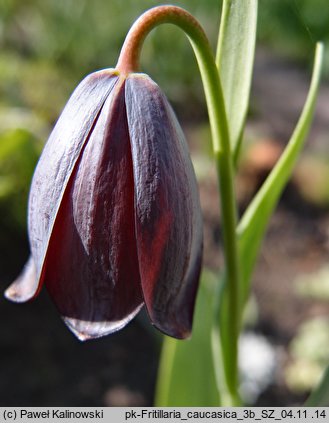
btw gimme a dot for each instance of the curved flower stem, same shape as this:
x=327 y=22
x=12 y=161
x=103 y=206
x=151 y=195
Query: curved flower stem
x=131 y=49
x=129 y=62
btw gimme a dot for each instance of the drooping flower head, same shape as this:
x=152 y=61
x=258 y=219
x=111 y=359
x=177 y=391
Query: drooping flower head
x=114 y=219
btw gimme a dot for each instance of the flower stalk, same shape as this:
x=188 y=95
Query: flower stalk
x=128 y=62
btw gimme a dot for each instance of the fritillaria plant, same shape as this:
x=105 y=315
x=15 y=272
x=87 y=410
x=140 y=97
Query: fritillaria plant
x=114 y=216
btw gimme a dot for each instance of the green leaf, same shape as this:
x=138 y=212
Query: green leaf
x=253 y=224
x=186 y=375
x=235 y=58
x=320 y=396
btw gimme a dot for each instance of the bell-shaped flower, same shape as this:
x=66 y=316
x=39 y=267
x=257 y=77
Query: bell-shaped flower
x=114 y=218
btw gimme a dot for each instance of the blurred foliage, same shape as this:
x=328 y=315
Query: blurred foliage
x=311 y=178
x=59 y=41
x=309 y=351
x=47 y=46
x=314 y=285
x=320 y=395
x=292 y=27
x=18 y=156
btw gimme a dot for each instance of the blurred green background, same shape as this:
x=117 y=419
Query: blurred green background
x=46 y=48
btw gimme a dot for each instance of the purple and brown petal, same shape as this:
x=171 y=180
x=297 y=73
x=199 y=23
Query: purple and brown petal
x=168 y=214
x=91 y=269
x=53 y=172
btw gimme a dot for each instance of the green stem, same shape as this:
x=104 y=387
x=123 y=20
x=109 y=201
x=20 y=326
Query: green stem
x=129 y=62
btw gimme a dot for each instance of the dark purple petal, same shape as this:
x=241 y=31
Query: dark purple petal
x=168 y=214
x=91 y=266
x=58 y=160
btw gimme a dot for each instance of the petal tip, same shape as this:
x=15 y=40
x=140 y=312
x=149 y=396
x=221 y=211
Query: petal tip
x=17 y=295
x=174 y=332
x=85 y=330
x=26 y=286
x=12 y=294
